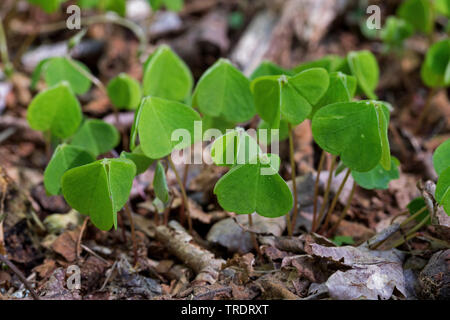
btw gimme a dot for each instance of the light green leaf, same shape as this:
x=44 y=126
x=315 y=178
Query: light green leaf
x=340 y=240
x=290 y=97
x=364 y=67
x=64 y=158
x=416 y=205
x=352 y=131
x=435 y=70
x=56 y=110
x=331 y=63
x=141 y=161
x=443 y=7
x=223 y=91
x=36 y=75
x=378 y=177
x=267 y=68
x=395 y=31
x=443 y=190
x=216 y=123
x=124 y=92
x=419 y=13
x=48 y=6
x=160 y=183
x=235 y=147
x=167 y=76
x=117 y=6
x=60 y=69
x=268 y=195
x=99 y=189
x=342 y=88
x=96 y=136
x=173 y=5
x=283 y=131
x=157 y=119
x=441 y=157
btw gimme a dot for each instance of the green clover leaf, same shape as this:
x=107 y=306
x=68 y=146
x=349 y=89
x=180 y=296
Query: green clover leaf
x=124 y=92
x=355 y=131
x=223 y=91
x=96 y=136
x=155 y=121
x=167 y=76
x=289 y=97
x=64 y=158
x=99 y=189
x=56 y=110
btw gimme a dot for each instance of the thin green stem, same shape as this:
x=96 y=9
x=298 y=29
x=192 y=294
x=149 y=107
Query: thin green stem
x=316 y=188
x=411 y=233
x=96 y=81
x=252 y=235
x=4 y=51
x=404 y=223
x=344 y=211
x=414 y=216
x=183 y=192
x=327 y=193
x=108 y=17
x=426 y=110
x=133 y=232
x=291 y=224
x=335 y=200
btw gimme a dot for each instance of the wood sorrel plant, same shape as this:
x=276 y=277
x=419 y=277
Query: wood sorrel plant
x=253 y=183
x=290 y=99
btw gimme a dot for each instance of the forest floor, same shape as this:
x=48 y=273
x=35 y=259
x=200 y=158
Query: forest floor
x=43 y=237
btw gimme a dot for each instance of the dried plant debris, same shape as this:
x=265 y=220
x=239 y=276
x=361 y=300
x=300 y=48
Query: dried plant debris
x=373 y=274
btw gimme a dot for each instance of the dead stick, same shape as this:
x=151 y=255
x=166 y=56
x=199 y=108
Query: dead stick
x=181 y=245
x=20 y=275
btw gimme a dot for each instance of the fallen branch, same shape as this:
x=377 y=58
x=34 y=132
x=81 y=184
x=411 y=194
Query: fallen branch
x=181 y=245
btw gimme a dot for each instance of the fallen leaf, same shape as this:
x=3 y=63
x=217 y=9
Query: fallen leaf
x=231 y=236
x=374 y=274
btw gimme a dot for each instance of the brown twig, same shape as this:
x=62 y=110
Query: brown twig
x=20 y=275
x=181 y=245
x=80 y=237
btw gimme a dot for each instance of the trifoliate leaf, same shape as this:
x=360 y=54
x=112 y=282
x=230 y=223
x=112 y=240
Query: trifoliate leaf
x=99 y=189
x=56 y=110
x=64 y=158
x=96 y=136
x=223 y=91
